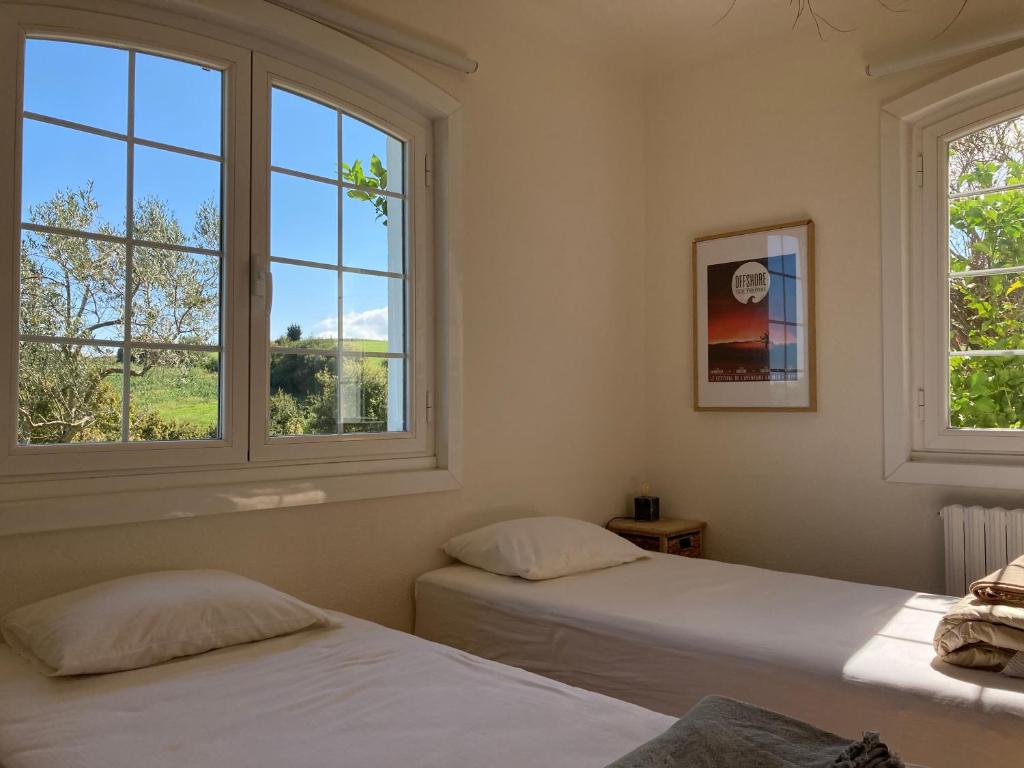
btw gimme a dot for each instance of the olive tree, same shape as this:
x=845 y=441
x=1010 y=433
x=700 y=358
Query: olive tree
x=75 y=288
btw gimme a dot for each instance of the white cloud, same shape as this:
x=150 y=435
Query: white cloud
x=326 y=328
x=371 y=324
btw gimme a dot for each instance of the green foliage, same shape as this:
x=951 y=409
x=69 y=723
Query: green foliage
x=149 y=425
x=187 y=395
x=377 y=179
x=366 y=393
x=304 y=395
x=987 y=312
x=75 y=288
x=287 y=417
x=987 y=393
x=296 y=375
x=64 y=395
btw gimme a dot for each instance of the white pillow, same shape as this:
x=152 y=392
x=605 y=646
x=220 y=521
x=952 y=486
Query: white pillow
x=539 y=548
x=142 y=620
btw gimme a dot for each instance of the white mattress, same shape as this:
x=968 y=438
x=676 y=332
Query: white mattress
x=357 y=695
x=664 y=632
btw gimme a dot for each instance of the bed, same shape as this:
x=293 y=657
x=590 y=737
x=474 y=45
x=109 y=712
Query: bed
x=666 y=631
x=354 y=695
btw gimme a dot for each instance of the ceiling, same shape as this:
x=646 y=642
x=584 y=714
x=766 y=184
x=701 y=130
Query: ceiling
x=693 y=29
x=650 y=34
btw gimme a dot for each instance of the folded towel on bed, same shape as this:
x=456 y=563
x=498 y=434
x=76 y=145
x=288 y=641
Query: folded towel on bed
x=723 y=733
x=974 y=633
x=1005 y=585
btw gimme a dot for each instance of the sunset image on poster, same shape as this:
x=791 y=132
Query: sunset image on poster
x=752 y=320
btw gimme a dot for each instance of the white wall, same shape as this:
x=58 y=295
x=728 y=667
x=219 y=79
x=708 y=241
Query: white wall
x=566 y=317
x=553 y=310
x=785 y=129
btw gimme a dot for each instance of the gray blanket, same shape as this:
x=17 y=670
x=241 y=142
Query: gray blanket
x=723 y=733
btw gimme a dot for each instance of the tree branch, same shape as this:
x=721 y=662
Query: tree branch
x=105 y=324
x=724 y=15
x=959 y=13
x=806 y=7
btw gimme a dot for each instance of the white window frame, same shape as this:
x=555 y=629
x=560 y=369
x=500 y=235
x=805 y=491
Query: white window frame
x=919 y=445
x=418 y=438
x=933 y=431
x=231 y=447
x=430 y=459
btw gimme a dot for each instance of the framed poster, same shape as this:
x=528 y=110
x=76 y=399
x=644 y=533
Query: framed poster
x=753 y=319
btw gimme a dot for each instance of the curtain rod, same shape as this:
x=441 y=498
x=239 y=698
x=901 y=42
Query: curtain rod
x=883 y=68
x=341 y=20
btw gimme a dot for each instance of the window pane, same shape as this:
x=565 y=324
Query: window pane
x=993 y=157
x=177 y=198
x=178 y=103
x=782 y=302
x=303 y=395
x=72 y=179
x=373 y=394
x=986 y=231
x=82 y=83
x=986 y=392
x=175 y=395
x=305 y=307
x=74 y=286
x=373 y=232
x=175 y=297
x=986 y=312
x=374 y=313
x=303 y=135
x=68 y=393
x=71 y=287
x=368 y=154
x=303 y=219
x=782 y=265
x=783 y=352
x=307 y=390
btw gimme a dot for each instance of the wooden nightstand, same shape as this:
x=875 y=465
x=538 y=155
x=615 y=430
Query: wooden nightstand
x=676 y=537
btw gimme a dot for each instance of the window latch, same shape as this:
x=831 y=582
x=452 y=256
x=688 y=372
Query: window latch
x=261 y=281
x=258 y=279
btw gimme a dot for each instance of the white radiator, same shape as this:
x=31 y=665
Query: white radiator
x=978 y=541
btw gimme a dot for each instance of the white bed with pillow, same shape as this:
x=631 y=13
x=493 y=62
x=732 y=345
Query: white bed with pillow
x=664 y=631
x=321 y=690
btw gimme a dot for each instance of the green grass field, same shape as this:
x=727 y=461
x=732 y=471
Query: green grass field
x=365 y=345
x=191 y=397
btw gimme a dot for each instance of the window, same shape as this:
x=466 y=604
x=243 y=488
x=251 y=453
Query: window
x=985 y=278
x=225 y=264
x=972 y=256
x=121 y=247
x=784 y=326
x=337 y=253
x=953 y=278
x=342 y=360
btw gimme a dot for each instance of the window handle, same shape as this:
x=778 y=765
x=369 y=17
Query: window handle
x=262 y=281
x=258 y=280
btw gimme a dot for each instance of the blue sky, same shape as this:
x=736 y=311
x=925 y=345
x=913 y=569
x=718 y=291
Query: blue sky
x=179 y=104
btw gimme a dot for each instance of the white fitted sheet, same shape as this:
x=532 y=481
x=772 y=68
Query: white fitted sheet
x=356 y=695
x=664 y=632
